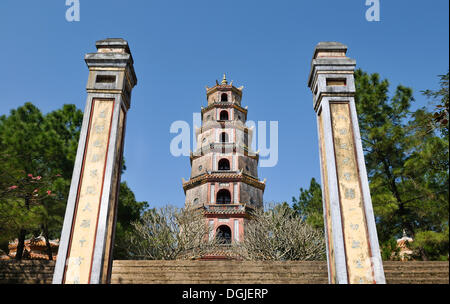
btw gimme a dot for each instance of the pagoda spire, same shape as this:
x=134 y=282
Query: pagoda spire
x=224 y=80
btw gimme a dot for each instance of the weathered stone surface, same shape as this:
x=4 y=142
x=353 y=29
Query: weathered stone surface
x=226 y=272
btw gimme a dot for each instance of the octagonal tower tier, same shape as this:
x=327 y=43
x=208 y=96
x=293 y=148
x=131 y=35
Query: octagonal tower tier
x=224 y=175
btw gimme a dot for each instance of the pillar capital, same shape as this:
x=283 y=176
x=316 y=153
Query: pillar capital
x=111 y=69
x=331 y=72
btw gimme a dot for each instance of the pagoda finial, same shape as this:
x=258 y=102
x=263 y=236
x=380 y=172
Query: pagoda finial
x=404 y=233
x=224 y=80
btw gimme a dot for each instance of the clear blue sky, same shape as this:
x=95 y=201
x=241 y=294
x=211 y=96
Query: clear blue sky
x=181 y=46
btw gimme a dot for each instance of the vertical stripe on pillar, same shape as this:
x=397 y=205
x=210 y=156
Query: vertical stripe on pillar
x=236 y=230
x=211 y=229
x=213 y=200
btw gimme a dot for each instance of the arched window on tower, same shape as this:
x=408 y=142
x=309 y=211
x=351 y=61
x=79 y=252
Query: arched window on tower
x=224 y=137
x=224 y=164
x=223 y=234
x=224 y=97
x=223 y=197
x=224 y=115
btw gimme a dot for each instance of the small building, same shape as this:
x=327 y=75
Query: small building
x=405 y=252
x=34 y=249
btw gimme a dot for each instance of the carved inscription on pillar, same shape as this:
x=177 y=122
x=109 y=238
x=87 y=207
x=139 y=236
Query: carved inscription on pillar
x=357 y=250
x=84 y=227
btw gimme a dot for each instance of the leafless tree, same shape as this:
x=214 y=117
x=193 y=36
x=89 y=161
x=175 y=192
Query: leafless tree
x=279 y=234
x=170 y=233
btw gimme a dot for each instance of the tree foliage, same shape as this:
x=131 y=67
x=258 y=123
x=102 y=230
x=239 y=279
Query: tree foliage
x=309 y=204
x=441 y=96
x=407 y=165
x=431 y=245
x=37 y=153
x=129 y=210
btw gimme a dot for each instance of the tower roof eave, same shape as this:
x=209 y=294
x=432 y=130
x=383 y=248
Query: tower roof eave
x=215 y=176
x=224 y=105
x=224 y=87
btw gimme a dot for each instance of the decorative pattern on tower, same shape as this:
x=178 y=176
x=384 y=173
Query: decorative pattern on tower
x=224 y=180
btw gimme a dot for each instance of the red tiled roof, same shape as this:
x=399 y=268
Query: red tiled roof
x=224 y=176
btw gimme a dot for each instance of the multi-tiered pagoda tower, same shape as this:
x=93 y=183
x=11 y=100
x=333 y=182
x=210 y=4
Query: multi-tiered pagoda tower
x=224 y=178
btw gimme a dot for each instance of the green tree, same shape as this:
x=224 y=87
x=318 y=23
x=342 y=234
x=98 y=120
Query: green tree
x=431 y=162
x=21 y=144
x=129 y=211
x=309 y=204
x=64 y=125
x=35 y=148
x=431 y=245
x=441 y=96
x=407 y=165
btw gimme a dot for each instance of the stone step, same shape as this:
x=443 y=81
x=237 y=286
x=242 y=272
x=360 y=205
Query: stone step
x=26 y=268
x=150 y=270
x=430 y=265
x=224 y=281
x=215 y=269
x=245 y=276
x=26 y=276
x=254 y=277
x=400 y=268
x=410 y=263
x=26 y=281
x=215 y=262
x=416 y=273
x=27 y=262
x=417 y=281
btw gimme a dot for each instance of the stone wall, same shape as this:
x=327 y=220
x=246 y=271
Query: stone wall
x=233 y=272
x=249 y=193
x=200 y=193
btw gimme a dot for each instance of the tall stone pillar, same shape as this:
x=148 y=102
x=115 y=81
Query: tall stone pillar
x=352 y=243
x=85 y=251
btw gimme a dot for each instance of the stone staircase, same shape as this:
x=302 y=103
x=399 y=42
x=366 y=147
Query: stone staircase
x=218 y=272
x=416 y=272
x=26 y=272
x=225 y=272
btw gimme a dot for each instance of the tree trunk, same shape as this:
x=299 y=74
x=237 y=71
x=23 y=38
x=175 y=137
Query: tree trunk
x=47 y=242
x=22 y=234
x=423 y=255
x=401 y=206
x=20 y=244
